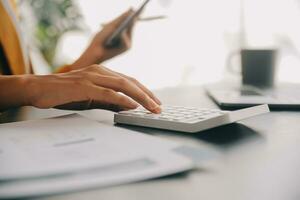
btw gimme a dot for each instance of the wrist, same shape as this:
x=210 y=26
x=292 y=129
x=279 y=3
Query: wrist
x=28 y=84
x=14 y=91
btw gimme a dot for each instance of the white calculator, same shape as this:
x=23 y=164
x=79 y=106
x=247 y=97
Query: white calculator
x=186 y=119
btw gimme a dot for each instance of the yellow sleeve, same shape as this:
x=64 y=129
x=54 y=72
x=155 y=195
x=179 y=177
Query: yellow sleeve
x=63 y=69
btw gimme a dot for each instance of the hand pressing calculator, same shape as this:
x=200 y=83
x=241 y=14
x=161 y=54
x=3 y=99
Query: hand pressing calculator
x=185 y=119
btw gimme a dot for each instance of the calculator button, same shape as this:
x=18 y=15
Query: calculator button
x=162 y=117
x=126 y=114
x=175 y=113
x=151 y=116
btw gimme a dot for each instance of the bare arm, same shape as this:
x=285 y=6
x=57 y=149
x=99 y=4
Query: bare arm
x=12 y=91
x=88 y=86
x=97 y=52
x=92 y=87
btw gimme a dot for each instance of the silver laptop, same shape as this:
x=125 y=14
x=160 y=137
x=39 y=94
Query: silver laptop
x=283 y=97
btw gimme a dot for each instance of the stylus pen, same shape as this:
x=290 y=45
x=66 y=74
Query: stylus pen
x=153 y=18
x=147 y=19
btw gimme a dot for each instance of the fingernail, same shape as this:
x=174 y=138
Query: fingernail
x=157 y=110
x=152 y=105
x=158 y=101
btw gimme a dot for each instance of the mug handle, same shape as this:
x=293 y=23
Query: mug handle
x=229 y=63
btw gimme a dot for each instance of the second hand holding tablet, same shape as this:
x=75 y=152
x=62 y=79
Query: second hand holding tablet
x=115 y=39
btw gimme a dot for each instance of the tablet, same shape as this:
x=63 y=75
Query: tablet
x=114 y=39
x=285 y=97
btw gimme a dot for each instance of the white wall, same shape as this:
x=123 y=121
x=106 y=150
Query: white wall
x=191 y=45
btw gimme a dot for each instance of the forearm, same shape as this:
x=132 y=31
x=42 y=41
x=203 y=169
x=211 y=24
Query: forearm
x=13 y=91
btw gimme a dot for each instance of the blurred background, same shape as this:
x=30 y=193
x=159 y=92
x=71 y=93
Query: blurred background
x=189 y=47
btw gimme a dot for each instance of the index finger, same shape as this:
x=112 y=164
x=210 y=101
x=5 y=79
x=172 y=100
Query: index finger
x=109 y=79
x=116 y=22
x=141 y=86
x=121 y=84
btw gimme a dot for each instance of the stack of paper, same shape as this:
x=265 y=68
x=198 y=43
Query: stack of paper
x=69 y=153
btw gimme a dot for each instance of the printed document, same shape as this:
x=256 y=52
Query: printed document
x=72 y=152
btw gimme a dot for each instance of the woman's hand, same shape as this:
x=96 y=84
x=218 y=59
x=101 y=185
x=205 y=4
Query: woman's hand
x=89 y=88
x=97 y=52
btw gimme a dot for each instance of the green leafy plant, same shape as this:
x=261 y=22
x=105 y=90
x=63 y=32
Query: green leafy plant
x=53 y=18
